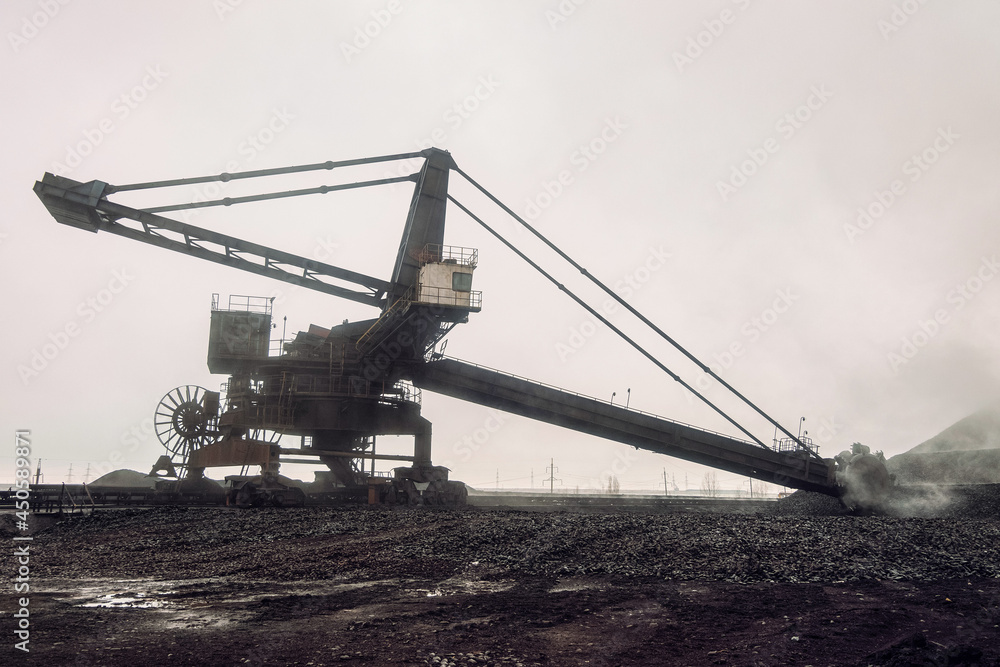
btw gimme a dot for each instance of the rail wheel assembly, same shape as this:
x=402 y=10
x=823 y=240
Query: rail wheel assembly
x=424 y=485
x=264 y=491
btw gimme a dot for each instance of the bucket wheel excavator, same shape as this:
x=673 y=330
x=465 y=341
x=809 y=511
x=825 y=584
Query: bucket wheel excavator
x=338 y=388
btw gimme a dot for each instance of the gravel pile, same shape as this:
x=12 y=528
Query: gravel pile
x=978 y=466
x=974 y=501
x=804 y=503
x=372 y=543
x=971 y=501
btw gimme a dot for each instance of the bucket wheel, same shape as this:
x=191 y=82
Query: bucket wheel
x=182 y=423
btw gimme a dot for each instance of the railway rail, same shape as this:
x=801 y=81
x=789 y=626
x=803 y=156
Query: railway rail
x=78 y=498
x=550 y=501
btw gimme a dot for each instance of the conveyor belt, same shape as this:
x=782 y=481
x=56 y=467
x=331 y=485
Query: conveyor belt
x=535 y=400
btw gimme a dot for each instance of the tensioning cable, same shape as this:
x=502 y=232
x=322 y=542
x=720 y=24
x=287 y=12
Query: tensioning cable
x=604 y=320
x=704 y=367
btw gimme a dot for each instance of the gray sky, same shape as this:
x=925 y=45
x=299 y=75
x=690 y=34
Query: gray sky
x=811 y=185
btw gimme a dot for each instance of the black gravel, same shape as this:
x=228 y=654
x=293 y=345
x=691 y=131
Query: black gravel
x=973 y=501
x=970 y=501
x=372 y=543
x=803 y=503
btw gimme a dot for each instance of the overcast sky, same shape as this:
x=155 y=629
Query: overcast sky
x=803 y=193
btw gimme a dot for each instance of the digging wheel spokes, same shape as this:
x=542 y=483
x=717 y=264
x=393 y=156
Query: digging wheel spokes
x=181 y=423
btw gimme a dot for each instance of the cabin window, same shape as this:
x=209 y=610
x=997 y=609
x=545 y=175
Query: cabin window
x=461 y=282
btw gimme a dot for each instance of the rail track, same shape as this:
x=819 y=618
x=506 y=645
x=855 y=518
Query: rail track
x=74 y=498
x=555 y=501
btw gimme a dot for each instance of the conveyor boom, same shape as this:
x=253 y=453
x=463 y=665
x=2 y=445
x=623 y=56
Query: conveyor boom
x=519 y=396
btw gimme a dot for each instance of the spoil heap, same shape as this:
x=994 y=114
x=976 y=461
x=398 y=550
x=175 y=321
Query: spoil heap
x=967 y=452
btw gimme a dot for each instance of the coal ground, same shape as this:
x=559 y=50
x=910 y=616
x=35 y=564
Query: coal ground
x=803 y=583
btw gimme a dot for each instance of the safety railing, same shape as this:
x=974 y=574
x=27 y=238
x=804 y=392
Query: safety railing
x=450 y=254
x=285 y=387
x=245 y=303
x=789 y=445
x=441 y=296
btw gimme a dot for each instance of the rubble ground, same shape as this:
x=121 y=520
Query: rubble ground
x=434 y=586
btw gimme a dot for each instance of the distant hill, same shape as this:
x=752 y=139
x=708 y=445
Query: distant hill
x=967 y=452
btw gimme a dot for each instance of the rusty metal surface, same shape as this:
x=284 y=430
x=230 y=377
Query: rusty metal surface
x=234 y=452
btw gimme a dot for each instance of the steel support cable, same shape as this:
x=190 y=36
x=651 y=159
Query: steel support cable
x=319 y=190
x=605 y=321
x=225 y=177
x=635 y=312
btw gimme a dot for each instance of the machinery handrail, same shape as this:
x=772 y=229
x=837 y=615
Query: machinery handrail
x=308 y=384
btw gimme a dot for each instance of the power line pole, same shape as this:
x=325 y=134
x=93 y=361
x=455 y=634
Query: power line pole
x=86 y=475
x=552 y=475
x=665 y=482
x=69 y=475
